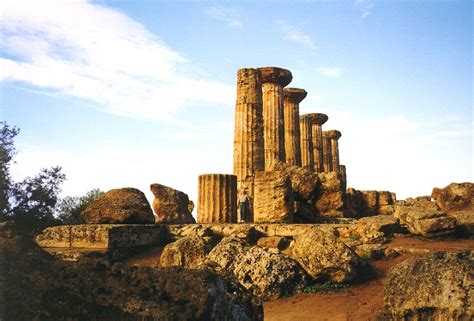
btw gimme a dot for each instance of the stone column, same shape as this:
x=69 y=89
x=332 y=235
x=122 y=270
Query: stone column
x=292 y=98
x=334 y=135
x=273 y=80
x=217 y=198
x=342 y=172
x=317 y=138
x=327 y=157
x=248 y=128
x=306 y=138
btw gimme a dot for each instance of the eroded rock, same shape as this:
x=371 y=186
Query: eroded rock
x=267 y=273
x=171 y=206
x=274 y=197
x=41 y=288
x=323 y=256
x=119 y=206
x=437 y=286
x=189 y=251
x=329 y=201
x=454 y=197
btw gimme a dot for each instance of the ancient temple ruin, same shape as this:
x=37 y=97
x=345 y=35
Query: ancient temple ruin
x=269 y=131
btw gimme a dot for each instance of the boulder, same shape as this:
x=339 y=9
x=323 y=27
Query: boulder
x=304 y=184
x=189 y=251
x=171 y=206
x=370 y=203
x=371 y=251
x=424 y=222
x=119 y=206
x=330 y=198
x=273 y=197
x=437 y=286
x=275 y=242
x=267 y=273
x=464 y=221
x=374 y=229
x=455 y=197
x=324 y=256
x=41 y=288
x=353 y=203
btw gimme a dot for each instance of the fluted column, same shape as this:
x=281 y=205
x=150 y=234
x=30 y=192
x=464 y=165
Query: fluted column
x=307 y=160
x=292 y=98
x=217 y=198
x=248 y=128
x=342 y=172
x=273 y=80
x=317 y=138
x=327 y=157
x=334 y=135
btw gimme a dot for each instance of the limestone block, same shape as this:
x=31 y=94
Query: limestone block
x=119 y=206
x=274 y=199
x=170 y=205
x=57 y=236
x=329 y=201
x=322 y=255
x=455 y=197
x=437 y=286
x=189 y=251
x=277 y=242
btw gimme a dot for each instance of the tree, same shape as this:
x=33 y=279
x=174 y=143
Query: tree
x=29 y=204
x=70 y=208
x=7 y=152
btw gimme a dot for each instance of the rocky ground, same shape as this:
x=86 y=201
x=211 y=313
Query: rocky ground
x=363 y=301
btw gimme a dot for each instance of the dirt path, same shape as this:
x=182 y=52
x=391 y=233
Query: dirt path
x=359 y=302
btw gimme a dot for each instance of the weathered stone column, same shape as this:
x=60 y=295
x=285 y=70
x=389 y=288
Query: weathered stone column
x=273 y=80
x=342 y=172
x=317 y=137
x=327 y=157
x=292 y=98
x=334 y=135
x=217 y=198
x=248 y=128
x=306 y=138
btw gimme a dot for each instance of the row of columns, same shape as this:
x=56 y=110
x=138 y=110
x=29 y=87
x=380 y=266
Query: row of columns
x=268 y=129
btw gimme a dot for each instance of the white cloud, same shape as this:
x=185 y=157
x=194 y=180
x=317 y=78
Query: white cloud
x=229 y=16
x=330 y=71
x=364 y=6
x=292 y=34
x=93 y=52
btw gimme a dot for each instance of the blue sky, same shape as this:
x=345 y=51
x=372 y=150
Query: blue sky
x=128 y=93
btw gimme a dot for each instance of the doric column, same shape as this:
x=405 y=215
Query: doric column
x=217 y=198
x=273 y=80
x=317 y=137
x=327 y=157
x=248 y=128
x=306 y=138
x=342 y=172
x=334 y=135
x=293 y=96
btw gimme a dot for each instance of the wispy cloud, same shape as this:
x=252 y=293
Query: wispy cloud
x=229 y=16
x=330 y=71
x=92 y=52
x=364 y=6
x=294 y=35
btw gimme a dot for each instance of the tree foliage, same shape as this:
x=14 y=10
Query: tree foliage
x=70 y=207
x=29 y=204
x=7 y=152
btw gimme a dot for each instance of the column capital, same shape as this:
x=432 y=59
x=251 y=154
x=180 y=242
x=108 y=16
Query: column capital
x=333 y=134
x=295 y=94
x=319 y=119
x=275 y=75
